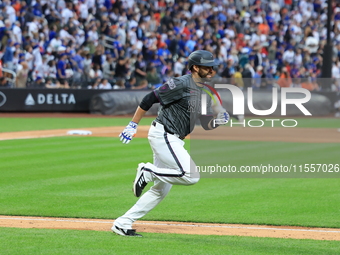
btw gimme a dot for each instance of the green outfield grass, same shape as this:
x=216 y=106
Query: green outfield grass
x=28 y=124
x=298 y=157
x=74 y=242
x=92 y=177
x=306 y=122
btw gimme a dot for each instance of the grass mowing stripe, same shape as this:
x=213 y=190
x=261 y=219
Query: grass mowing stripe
x=27 y=124
x=307 y=122
x=238 y=153
x=74 y=242
x=63 y=146
x=12 y=145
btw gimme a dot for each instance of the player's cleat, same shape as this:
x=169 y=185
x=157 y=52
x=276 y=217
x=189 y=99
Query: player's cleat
x=125 y=232
x=139 y=183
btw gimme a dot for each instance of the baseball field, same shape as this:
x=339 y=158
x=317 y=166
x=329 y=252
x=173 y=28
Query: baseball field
x=60 y=193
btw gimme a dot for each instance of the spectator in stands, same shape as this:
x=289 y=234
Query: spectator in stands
x=78 y=57
x=97 y=56
x=87 y=64
x=109 y=67
x=130 y=83
x=94 y=83
x=54 y=44
x=95 y=73
x=104 y=84
x=167 y=67
x=257 y=81
x=51 y=71
x=69 y=72
x=29 y=59
x=49 y=84
x=298 y=58
x=9 y=55
x=272 y=51
x=285 y=80
x=168 y=75
x=17 y=32
x=11 y=14
x=247 y=76
x=163 y=53
x=312 y=43
x=37 y=58
x=33 y=27
x=229 y=71
x=38 y=83
x=61 y=69
x=179 y=66
x=41 y=69
x=119 y=85
x=93 y=36
x=4 y=83
x=67 y=13
x=55 y=84
x=289 y=56
x=153 y=78
x=233 y=57
x=140 y=69
x=122 y=68
x=132 y=62
x=156 y=62
x=238 y=77
x=16 y=57
x=142 y=85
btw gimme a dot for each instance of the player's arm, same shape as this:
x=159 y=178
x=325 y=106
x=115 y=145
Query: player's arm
x=139 y=114
x=207 y=122
x=131 y=129
x=144 y=106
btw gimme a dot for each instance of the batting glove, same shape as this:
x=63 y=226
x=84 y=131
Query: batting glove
x=129 y=132
x=222 y=118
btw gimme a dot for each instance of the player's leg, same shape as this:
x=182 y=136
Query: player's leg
x=146 y=203
x=177 y=166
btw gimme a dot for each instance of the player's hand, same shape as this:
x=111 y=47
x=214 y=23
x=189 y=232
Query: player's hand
x=222 y=118
x=129 y=132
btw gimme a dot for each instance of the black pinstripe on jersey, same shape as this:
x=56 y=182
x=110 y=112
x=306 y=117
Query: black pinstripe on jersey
x=180 y=100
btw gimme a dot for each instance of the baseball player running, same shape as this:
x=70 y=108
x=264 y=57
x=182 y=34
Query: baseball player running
x=180 y=100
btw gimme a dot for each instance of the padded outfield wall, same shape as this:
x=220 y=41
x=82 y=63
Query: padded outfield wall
x=109 y=102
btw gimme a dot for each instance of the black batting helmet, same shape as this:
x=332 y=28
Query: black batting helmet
x=202 y=58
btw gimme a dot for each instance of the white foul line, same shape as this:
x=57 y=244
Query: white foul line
x=241 y=227
x=30 y=137
x=181 y=225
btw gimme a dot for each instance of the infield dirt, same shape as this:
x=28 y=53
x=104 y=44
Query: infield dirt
x=302 y=135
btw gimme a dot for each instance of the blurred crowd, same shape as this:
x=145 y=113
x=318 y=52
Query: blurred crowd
x=127 y=44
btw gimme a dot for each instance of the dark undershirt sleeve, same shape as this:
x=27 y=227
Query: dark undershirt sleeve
x=206 y=122
x=148 y=101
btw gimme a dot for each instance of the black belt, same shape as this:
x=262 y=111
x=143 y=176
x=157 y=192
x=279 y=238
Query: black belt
x=166 y=130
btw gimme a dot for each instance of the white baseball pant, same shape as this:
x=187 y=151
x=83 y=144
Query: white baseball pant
x=172 y=166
